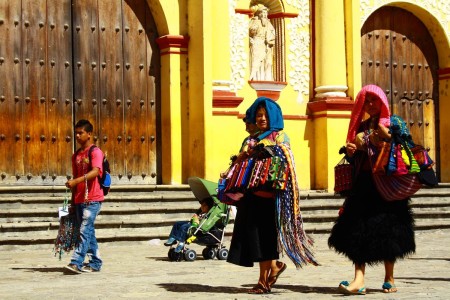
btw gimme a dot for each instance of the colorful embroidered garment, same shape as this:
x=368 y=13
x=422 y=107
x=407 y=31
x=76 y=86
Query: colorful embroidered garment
x=291 y=234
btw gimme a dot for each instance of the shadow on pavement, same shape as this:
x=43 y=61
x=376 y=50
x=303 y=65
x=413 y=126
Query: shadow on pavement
x=432 y=258
x=307 y=289
x=199 y=288
x=424 y=278
x=44 y=270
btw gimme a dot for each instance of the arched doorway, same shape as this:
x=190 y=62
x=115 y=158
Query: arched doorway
x=66 y=60
x=399 y=55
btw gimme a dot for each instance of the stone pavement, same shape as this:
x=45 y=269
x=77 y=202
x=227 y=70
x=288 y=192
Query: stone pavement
x=142 y=271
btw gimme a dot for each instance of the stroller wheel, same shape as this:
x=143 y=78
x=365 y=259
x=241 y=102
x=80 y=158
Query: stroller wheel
x=174 y=256
x=209 y=253
x=170 y=253
x=190 y=255
x=222 y=254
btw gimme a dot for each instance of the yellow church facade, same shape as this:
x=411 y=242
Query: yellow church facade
x=166 y=83
x=205 y=86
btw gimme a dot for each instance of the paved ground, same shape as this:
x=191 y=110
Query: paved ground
x=142 y=271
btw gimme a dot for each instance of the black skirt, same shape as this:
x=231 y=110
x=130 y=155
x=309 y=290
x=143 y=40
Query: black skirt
x=371 y=230
x=255 y=234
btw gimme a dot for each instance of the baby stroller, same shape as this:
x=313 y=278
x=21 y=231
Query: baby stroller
x=211 y=230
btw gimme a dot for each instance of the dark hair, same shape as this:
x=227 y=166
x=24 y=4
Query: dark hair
x=208 y=201
x=85 y=124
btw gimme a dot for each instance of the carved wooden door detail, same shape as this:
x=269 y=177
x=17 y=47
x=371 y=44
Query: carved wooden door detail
x=64 y=60
x=114 y=82
x=35 y=90
x=399 y=55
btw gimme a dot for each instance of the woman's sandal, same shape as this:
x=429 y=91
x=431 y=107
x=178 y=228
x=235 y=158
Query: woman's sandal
x=258 y=289
x=272 y=279
x=389 y=287
x=343 y=289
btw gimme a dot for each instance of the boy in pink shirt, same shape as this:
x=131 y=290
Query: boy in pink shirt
x=87 y=198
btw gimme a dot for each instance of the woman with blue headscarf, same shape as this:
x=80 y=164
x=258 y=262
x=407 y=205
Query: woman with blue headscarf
x=269 y=220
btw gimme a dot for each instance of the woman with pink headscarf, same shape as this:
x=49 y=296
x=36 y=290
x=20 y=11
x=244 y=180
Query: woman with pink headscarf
x=370 y=230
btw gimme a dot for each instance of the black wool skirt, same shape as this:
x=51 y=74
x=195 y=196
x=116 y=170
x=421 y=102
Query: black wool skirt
x=371 y=230
x=255 y=234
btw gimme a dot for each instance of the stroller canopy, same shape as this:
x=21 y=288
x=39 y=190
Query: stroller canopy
x=203 y=189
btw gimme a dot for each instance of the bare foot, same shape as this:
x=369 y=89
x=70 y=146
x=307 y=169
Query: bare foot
x=389 y=287
x=353 y=286
x=275 y=273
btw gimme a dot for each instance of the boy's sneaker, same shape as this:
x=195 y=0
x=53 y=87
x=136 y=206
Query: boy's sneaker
x=73 y=268
x=179 y=247
x=88 y=269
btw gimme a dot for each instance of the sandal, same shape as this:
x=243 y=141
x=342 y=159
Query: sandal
x=389 y=287
x=272 y=279
x=258 y=289
x=343 y=289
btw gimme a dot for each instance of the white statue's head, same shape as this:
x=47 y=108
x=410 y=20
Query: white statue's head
x=260 y=10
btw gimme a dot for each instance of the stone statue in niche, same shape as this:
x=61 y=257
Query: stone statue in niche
x=262 y=41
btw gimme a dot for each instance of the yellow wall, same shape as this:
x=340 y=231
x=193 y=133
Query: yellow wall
x=202 y=137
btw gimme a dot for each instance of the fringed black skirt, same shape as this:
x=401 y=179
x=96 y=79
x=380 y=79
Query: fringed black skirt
x=370 y=230
x=255 y=234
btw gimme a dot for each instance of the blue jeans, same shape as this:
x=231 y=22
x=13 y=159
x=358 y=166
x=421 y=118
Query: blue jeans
x=86 y=214
x=179 y=230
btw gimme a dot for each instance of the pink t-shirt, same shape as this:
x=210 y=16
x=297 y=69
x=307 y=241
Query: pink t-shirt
x=80 y=166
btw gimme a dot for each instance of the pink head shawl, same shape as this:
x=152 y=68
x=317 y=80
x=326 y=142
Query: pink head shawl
x=358 y=112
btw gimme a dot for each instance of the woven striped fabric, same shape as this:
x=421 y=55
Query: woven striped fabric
x=393 y=188
x=292 y=238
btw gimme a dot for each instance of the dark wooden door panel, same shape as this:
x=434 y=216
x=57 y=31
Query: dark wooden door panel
x=111 y=87
x=34 y=62
x=11 y=98
x=86 y=59
x=118 y=82
x=71 y=59
x=137 y=115
x=59 y=102
x=381 y=55
x=398 y=40
x=152 y=69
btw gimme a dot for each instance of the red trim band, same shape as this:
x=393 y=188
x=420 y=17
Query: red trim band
x=167 y=42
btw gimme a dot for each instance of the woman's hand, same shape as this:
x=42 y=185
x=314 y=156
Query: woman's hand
x=351 y=148
x=382 y=132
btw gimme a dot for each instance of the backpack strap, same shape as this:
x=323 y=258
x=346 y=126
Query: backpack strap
x=90 y=155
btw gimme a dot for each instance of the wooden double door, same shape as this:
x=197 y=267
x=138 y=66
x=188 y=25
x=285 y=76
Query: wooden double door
x=65 y=60
x=399 y=55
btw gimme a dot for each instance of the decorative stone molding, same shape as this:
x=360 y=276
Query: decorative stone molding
x=238 y=53
x=440 y=9
x=299 y=49
x=269 y=89
x=331 y=91
x=298 y=53
x=223 y=97
x=325 y=107
x=173 y=44
x=241 y=11
x=444 y=74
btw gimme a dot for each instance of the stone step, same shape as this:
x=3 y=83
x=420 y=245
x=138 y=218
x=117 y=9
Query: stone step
x=159 y=211
x=167 y=220
x=29 y=215
x=185 y=199
x=162 y=232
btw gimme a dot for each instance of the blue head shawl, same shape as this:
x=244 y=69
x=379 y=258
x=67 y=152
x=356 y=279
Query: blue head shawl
x=274 y=113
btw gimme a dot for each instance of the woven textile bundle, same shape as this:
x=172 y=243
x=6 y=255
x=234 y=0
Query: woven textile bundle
x=291 y=234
